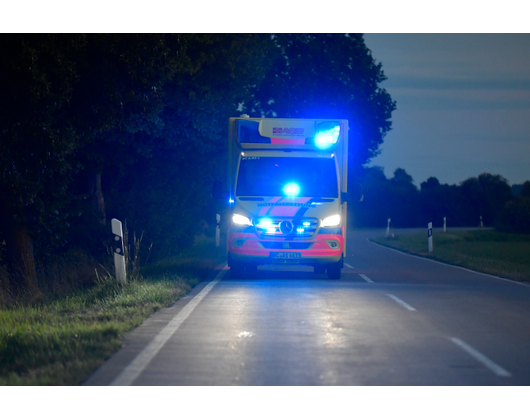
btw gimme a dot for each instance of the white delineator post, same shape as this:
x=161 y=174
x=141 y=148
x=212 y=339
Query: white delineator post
x=445 y=225
x=388 y=228
x=218 y=230
x=119 y=258
x=481 y=223
x=429 y=235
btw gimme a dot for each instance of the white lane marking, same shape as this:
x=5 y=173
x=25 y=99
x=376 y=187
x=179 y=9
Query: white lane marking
x=494 y=367
x=365 y=278
x=402 y=303
x=449 y=265
x=136 y=367
x=348 y=265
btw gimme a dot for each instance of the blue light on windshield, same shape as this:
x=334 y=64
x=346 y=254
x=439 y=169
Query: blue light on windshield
x=291 y=189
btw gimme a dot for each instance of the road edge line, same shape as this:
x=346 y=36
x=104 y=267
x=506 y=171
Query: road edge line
x=139 y=363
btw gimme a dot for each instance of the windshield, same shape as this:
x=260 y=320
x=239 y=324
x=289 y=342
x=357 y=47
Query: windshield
x=282 y=176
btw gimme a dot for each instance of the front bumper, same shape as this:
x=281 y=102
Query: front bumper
x=248 y=248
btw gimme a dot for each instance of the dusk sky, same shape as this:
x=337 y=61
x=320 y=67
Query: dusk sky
x=463 y=105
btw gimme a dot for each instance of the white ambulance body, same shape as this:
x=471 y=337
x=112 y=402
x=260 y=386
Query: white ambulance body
x=288 y=189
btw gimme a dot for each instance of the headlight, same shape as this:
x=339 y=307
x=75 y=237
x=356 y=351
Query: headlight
x=331 y=221
x=237 y=219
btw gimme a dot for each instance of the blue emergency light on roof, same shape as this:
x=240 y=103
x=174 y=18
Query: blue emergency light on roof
x=327 y=134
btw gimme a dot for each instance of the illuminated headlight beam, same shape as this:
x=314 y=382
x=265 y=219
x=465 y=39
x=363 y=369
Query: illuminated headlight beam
x=331 y=221
x=241 y=220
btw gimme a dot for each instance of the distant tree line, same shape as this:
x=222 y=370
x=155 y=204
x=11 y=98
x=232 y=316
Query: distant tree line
x=500 y=205
x=134 y=127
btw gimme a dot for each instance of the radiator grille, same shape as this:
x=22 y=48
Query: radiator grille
x=286 y=245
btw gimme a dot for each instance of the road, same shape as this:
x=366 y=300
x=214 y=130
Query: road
x=393 y=319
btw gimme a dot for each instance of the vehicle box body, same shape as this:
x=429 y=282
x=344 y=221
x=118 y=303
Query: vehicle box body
x=286 y=227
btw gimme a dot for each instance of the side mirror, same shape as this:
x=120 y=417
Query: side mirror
x=354 y=195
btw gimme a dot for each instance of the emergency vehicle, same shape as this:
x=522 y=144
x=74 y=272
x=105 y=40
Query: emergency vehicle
x=288 y=191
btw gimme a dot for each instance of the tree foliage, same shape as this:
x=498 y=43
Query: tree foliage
x=398 y=198
x=131 y=124
x=515 y=216
x=328 y=76
x=38 y=73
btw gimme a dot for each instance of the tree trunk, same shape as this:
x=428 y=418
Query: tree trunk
x=96 y=195
x=19 y=249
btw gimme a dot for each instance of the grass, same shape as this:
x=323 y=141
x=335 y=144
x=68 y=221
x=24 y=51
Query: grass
x=501 y=254
x=60 y=341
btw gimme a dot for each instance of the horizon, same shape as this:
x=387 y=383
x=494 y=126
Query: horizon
x=463 y=102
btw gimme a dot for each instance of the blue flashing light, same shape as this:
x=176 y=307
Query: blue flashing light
x=265 y=223
x=230 y=200
x=300 y=230
x=327 y=137
x=291 y=189
x=307 y=224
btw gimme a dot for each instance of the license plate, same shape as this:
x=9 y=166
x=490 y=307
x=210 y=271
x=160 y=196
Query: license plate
x=286 y=255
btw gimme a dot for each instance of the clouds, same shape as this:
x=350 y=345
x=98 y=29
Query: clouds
x=463 y=104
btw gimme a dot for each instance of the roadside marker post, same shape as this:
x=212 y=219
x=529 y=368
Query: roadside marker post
x=388 y=228
x=218 y=230
x=445 y=225
x=481 y=223
x=429 y=235
x=119 y=258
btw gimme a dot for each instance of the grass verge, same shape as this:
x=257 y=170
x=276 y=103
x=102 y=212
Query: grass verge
x=60 y=341
x=501 y=254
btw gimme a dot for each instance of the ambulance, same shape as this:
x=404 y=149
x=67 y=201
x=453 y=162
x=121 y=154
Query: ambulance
x=288 y=192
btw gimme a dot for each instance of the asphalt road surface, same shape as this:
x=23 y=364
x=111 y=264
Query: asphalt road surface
x=393 y=319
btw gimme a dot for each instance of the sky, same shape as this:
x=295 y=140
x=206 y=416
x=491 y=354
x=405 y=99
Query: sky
x=463 y=105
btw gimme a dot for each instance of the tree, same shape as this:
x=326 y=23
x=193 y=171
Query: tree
x=431 y=184
x=36 y=142
x=437 y=201
x=373 y=211
x=395 y=198
x=403 y=200
x=117 y=101
x=328 y=76
x=80 y=107
x=525 y=190
x=515 y=216
x=167 y=192
x=484 y=196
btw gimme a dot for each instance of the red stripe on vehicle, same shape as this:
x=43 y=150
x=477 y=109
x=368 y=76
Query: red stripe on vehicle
x=289 y=211
x=264 y=210
x=275 y=140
